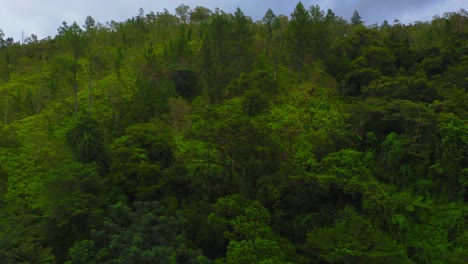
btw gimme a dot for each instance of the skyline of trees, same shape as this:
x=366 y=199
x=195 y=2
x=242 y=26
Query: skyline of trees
x=186 y=14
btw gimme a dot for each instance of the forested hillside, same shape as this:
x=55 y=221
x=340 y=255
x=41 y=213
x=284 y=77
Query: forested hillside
x=200 y=136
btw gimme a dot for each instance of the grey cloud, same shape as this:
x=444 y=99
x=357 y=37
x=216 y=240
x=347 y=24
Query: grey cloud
x=408 y=11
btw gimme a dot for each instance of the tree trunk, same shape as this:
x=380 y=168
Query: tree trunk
x=299 y=72
x=75 y=82
x=90 y=87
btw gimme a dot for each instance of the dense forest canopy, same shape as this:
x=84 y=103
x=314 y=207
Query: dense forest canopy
x=201 y=136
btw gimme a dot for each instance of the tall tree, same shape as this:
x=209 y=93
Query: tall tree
x=183 y=12
x=330 y=16
x=242 y=37
x=356 y=19
x=271 y=22
x=90 y=35
x=73 y=38
x=318 y=35
x=215 y=55
x=272 y=25
x=200 y=14
x=5 y=49
x=3 y=67
x=299 y=37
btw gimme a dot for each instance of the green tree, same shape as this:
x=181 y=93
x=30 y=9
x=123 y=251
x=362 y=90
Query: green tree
x=354 y=239
x=273 y=46
x=225 y=51
x=451 y=154
x=245 y=224
x=244 y=148
x=358 y=76
x=381 y=59
x=182 y=11
x=271 y=22
x=71 y=201
x=186 y=82
x=86 y=141
x=298 y=36
x=392 y=154
x=73 y=39
x=402 y=87
x=142 y=160
x=242 y=37
x=180 y=49
x=330 y=16
x=5 y=49
x=257 y=79
x=142 y=233
x=200 y=14
x=254 y=103
x=319 y=32
x=90 y=35
x=22 y=237
x=215 y=51
x=356 y=19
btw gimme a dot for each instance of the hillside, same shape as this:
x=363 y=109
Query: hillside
x=206 y=137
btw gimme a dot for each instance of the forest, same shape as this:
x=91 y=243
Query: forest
x=200 y=136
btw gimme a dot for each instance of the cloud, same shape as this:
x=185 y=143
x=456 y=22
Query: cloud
x=407 y=11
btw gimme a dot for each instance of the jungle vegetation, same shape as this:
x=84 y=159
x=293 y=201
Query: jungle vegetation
x=201 y=136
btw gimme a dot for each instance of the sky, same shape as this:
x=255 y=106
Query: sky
x=44 y=17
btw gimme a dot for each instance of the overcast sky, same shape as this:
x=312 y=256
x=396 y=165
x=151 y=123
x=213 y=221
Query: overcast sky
x=43 y=17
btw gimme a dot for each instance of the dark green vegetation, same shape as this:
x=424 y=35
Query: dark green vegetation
x=205 y=137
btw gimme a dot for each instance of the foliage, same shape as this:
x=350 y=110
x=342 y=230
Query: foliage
x=86 y=140
x=210 y=137
x=353 y=239
x=142 y=159
x=143 y=234
x=70 y=204
x=245 y=224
